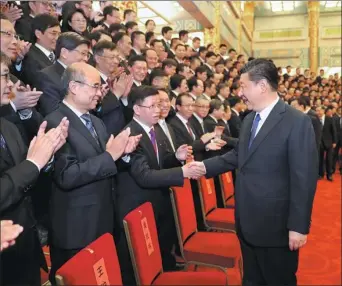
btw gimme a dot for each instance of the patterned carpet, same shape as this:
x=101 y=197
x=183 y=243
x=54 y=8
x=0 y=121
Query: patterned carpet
x=320 y=259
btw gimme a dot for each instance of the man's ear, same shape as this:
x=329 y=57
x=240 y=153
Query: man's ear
x=38 y=34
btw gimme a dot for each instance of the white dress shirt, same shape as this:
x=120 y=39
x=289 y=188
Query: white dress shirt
x=265 y=113
x=45 y=51
x=185 y=121
x=147 y=129
x=162 y=123
x=200 y=120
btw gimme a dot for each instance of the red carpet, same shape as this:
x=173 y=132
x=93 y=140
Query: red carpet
x=320 y=259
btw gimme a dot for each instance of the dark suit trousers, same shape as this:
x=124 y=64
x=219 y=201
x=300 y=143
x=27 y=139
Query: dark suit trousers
x=336 y=155
x=268 y=266
x=325 y=166
x=58 y=257
x=20 y=264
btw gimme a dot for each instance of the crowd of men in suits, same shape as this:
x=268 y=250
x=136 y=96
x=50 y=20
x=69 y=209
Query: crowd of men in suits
x=98 y=117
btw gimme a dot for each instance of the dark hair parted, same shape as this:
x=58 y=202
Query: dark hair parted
x=140 y=93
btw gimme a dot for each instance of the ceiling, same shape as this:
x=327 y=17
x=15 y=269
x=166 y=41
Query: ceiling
x=269 y=8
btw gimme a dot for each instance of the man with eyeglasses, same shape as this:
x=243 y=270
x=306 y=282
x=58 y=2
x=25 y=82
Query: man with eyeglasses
x=154 y=168
x=70 y=48
x=107 y=62
x=83 y=195
x=21 y=110
x=41 y=55
x=24 y=25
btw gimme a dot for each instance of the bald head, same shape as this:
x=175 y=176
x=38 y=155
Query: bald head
x=82 y=85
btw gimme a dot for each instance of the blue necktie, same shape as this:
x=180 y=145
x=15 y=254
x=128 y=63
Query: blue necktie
x=89 y=125
x=254 y=129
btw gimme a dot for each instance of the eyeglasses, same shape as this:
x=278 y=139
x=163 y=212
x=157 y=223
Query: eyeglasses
x=203 y=106
x=84 y=54
x=54 y=34
x=96 y=86
x=10 y=34
x=6 y=76
x=152 y=107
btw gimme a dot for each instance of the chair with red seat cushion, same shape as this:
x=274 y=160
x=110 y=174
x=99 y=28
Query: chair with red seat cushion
x=142 y=238
x=202 y=248
x=97 y=264
x=227 y=188
x=214 y=218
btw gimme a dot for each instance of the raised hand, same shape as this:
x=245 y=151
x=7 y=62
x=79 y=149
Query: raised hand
x=119 y=85
x=296 y=240
x=43 y=145
x=218 y=131
x=182 y=152
x=23 y=48
x=133 y=142
x=64 y=125
x=207 y=137
x=24 y=97
x=129 y=84
x=116 y=146
x=194 y=170
x=220 y=142
x=13 y=13
x=9 y=232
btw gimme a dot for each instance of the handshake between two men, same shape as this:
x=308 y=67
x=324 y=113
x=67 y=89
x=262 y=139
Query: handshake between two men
x=194 y=170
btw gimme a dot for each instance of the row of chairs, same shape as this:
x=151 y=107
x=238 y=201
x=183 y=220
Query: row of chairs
x=218 y=247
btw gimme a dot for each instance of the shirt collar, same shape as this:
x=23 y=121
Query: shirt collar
x=213 y=118
x=198 y=118
x=181 y=118
x=146 y=128
x=161 y=122
x=106 y=24
x=137 y=52
x=235 y=111
x=266 y=111
x=44 y=50
x=175 y=92
x=104 y=77
x=137 y=83
x=221 y=97
x=207 y=96
x=194 y=97
x=73 y=109
x=62 y=64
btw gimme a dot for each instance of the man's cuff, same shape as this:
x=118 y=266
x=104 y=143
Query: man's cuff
x=126 y=158
x=124 y=101
x=18 y=66
x=25 y=114
x=39 y=168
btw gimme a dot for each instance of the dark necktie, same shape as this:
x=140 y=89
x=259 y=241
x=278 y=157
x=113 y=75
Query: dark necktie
x=52 y=57
x=3 y=144
x=189 y=130
x=153 y=140
x=254 y=129
x=90 y=127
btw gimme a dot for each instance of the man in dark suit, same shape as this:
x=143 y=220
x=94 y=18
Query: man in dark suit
x=154 y=168
x=235 y=120
x=70 y=48
x=24 y=25
x=216 y=112
x=301 y=104
x=83 y=195
x=184 y=131
x=138 y=43
x=166 y=40
x=19 y=170
x=276 y=183
x=328 y=142
x=165 y=107
x=111 y=111
x=46 y=31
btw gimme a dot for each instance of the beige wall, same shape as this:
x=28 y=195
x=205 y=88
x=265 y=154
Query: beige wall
x=285 y=39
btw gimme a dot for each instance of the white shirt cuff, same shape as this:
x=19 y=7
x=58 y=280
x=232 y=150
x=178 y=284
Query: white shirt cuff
x=19 y=66
x=25 y=114
x=126 y=158
x=39 y=168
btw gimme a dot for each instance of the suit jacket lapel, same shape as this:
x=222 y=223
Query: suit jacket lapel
x=80 y=127
x=12 y=146
x=145 y=142
x=272 y=120
x=99 y=131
